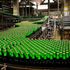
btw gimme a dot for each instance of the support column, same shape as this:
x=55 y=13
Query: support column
x=66 y=9
x=48 y=7
x=26 y=8
x=16 y=7
x=36 y=9
x=58 y=6
x=69 y=6
x=62 y=9
x=29 y=8
x=23 y=11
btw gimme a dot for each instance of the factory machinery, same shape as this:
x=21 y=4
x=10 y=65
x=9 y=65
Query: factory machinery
x=45 y=31
x=65 y=28
x=8 y=20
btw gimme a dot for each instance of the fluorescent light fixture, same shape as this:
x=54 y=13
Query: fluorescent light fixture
x=41 y=7
x=19 y=0
x=46 y=1
x=34 y=3
x=34 y=6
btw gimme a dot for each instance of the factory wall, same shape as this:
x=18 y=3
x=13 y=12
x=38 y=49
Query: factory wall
x=16 y=7
x=69 y=6
x=66 y=7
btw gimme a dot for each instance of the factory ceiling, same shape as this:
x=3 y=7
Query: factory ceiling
x=37 y=1
x=42 y=1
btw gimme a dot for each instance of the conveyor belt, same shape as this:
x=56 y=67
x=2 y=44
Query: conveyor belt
x=33 y=51
x=23 y=67
x=16 y=48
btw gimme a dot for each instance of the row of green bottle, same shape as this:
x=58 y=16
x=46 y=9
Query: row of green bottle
x=13 y=43
x=35 y=49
